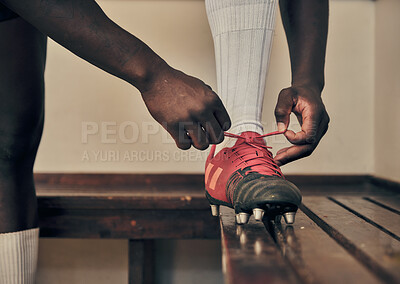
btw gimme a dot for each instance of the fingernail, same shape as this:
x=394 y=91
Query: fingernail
x=281 y=126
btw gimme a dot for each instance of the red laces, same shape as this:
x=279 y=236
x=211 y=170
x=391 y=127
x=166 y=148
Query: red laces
x=227 y=134
x=260 y=159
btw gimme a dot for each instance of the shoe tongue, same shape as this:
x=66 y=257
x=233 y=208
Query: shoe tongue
x=250 y=136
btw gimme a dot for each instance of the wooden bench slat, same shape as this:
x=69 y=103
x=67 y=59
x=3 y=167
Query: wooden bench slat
x=128 y=224
x=93 y=179
x=375 y=249
x=384 y=219
x=391 y=203
x=177 y=202
x=316 y=257
x=250 y=255
x=182 y=197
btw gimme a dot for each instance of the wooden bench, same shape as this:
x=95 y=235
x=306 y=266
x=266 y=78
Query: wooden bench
x=347 y=230
x=351 y=235
x=140 y=208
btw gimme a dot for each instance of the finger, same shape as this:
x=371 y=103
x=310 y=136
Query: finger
x=284 y=108
x=183 y=140
x=214 y=131
x=179 y=134
x=292 y=153
x=324 y=125
x=309 y=129
x=198 y=136
x=299 y=118
x=221 y=115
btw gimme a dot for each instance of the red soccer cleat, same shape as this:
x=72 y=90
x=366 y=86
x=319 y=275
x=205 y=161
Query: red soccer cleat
x=246 y=178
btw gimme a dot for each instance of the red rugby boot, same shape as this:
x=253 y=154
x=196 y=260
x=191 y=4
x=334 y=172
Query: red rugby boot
x=246 y=178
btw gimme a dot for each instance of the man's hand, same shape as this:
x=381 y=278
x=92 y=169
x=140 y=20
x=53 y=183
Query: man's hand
x=307 y=105
x=190 y=111
x=187 y=108
x=306 y=27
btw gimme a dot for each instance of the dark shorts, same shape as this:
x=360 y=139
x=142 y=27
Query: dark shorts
x=6 y=14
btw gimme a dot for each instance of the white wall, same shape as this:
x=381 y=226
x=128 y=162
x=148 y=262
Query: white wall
x=179 y=31
x=387 y=89
x=79 y=261
x=84 y=261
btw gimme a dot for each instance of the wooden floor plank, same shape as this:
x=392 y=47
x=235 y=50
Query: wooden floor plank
x=250 y=255
x=383 y=219
x=375 y=249
x=391 y=203
x=317 y=257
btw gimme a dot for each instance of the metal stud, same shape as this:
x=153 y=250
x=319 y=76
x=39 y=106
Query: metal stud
x=258 y=214
x=289 y=217
x=215 y=210
x=238 y=221
x=244 y=217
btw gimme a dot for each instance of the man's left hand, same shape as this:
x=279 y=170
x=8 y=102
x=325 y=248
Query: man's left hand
x=306 y=103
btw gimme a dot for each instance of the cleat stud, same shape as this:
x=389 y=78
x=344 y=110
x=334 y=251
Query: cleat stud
x=289 y=217
x=244 y=217
x=215 y=210
x=258 y=214
x=238 y=221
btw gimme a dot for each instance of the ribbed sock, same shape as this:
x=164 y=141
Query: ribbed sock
x=242 y=31
x=18 y=256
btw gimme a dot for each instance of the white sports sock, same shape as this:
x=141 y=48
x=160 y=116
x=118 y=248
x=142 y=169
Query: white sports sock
x=18 y=256
x=242 y=31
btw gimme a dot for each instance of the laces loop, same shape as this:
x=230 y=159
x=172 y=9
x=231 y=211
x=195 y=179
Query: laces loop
x=227 y=134
x=263 y=164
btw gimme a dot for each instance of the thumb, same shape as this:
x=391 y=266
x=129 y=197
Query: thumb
x=284 y=108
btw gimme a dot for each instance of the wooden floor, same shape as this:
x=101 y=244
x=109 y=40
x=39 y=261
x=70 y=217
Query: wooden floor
x=344 y=237
x=346 y=231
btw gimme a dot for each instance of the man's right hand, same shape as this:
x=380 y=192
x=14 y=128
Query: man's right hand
x=187 y=108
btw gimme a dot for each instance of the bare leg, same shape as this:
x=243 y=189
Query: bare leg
x=22 y=57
